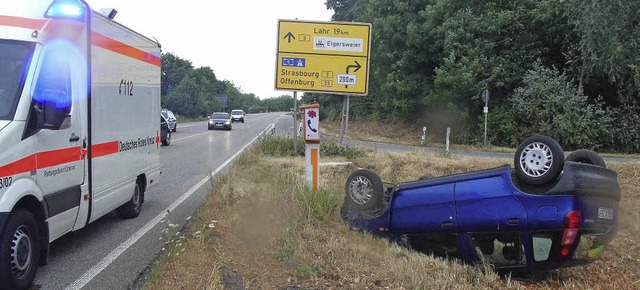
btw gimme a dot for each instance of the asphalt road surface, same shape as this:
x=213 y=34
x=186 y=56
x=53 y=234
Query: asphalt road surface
x=112 y=253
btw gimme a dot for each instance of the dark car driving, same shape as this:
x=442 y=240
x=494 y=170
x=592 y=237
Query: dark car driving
x=171 y=119
x=165 y=131
x=219 y=120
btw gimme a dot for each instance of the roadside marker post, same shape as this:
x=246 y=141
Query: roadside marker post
x=311 y=132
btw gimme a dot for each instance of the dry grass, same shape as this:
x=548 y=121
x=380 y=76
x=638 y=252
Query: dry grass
x=260 y=229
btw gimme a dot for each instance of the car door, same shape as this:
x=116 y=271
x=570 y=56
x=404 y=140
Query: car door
x=493 y=218
x=425 y=216
x=58 y=136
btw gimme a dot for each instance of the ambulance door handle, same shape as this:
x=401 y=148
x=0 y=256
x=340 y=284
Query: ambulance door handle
x=74 y=138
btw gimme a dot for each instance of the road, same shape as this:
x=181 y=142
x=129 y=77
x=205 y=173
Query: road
x=112 y=253
x=467 y=153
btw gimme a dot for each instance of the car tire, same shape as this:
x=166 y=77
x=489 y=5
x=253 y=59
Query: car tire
x=19 y=250
x=538 y=160
x=167 y=139
x=132 y=208
x=586 y=156
x=364 y=190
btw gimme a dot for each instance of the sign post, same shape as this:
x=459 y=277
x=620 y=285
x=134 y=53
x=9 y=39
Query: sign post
x=485 y=99
x=295 y=122
x=325 y=57
x=311 y=133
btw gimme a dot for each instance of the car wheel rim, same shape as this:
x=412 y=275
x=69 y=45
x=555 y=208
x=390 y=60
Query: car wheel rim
x=536 y=159
x=21 y=252
x=360 y=189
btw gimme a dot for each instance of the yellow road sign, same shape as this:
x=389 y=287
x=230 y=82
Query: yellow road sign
x=322 y=73
x=328 y=57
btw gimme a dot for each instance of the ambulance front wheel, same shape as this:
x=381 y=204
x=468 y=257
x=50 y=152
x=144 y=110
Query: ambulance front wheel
x=132 y=208
x=19 y=252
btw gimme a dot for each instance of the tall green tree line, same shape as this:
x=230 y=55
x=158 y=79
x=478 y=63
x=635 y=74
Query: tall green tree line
x=194 y=92
x=568 y=69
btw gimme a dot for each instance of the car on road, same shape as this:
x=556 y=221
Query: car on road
x=220 y=120
x=547 y=212
x=171 y=119
x=237 y=115
x=165 y=131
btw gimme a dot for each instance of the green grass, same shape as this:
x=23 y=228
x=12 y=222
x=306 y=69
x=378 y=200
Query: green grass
x=283 y=146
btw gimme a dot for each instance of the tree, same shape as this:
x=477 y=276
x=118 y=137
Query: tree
x=173 y=70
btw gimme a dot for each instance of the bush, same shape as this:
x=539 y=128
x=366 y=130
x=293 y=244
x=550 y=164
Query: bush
x=550 y=105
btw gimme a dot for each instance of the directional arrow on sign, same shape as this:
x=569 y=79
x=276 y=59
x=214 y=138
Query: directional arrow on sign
x=289 y=36
x=357 y=66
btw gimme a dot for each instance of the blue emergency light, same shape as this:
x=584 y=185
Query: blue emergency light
x=66 y=9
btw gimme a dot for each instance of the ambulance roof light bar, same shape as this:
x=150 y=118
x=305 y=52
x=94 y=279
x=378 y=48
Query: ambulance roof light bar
x=66 y=9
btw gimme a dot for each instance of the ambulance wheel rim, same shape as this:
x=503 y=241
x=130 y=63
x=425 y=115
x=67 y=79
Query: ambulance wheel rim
x=21 y=252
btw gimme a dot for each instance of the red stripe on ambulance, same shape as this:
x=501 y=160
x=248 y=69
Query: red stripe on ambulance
x=55 y=157
x=124 y=49
x=21 y=22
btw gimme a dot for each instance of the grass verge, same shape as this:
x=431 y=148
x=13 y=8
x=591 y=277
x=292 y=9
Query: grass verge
x=262 y=228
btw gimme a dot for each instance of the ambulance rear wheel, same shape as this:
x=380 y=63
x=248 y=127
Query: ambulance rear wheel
x=19 y=252
x=132 y=208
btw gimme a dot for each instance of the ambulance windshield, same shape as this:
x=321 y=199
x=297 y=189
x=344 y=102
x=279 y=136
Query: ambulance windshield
x=13 y=60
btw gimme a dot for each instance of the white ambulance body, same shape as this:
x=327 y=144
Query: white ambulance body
x=79 y=125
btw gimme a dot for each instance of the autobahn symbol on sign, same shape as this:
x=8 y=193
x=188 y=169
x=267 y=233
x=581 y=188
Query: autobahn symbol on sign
x=327 y=57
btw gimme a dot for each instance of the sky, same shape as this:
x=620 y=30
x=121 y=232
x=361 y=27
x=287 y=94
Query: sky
x=237 y=39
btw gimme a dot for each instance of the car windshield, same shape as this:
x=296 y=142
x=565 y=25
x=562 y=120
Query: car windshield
x=238 y=112
x=220 y=116
x=13 y=59
x=165 y=114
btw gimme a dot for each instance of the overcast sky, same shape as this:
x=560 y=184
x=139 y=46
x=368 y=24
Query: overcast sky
x=236 y=38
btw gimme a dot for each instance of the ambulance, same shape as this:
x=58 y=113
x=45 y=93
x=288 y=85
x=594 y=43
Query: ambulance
x=79 y=129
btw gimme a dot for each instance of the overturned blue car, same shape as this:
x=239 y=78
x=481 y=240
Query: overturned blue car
x=548 y=211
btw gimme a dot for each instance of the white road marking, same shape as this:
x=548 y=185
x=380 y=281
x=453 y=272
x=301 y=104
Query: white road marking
x=107 y=260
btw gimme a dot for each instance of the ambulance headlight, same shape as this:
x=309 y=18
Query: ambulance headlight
x=66 y=9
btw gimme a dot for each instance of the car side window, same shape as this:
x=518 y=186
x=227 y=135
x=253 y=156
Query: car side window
x=542 y=244
x=51 y=99
x=500 y=248
x=444 y=245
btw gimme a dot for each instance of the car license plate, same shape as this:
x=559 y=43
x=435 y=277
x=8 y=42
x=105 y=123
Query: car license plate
x=605 y=213
x=218 y=125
